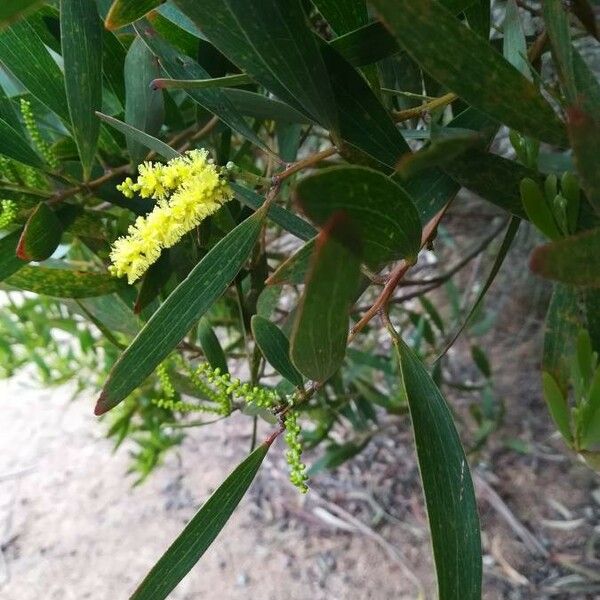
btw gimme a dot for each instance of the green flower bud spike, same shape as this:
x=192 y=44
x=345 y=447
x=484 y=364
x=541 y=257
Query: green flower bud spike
x=293 y=454
x=8 y=213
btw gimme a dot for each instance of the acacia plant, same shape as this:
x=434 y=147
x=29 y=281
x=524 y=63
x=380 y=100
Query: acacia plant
x=223 y=203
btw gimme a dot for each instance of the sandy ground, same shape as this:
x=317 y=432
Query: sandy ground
x=72 y=527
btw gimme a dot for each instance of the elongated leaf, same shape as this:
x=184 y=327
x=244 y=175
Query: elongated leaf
x=63 y=283
x=140 y=137
x=41 y=234
x=262 y=107
x=202 y=84
x=23 y=53
x=275 y=348
x=574 y=260
x=381 y=212
x=494 y=178
x=557 y=26
x=179 y=66
x=189 y=301
x=318 y=342
x=144 y=107
x=81 y=39
x=447 y=484
x=124 y=12
x=13 y=145
x=9 y=114
x=343 y=15
x=9 y=261
x=286 y=219
x=11 y=10
x=557 y=405
x=201 y=531
x=364 y=123
x=511 y=232
x=469 y=66
x=371 y=43
x=211 y=346
x=562 y=324
x=270 y=41
x=293 y=270
x=366 y=45
x=514 y=42
x=584 y=131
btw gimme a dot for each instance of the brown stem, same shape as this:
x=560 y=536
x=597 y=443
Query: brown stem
x=395 y=276
x=417 y=111
x=84 y=187
x=309 y=161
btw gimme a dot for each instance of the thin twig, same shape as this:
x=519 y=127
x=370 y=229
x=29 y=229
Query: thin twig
x=395 y=276
x=417 y=111
x=304 y=163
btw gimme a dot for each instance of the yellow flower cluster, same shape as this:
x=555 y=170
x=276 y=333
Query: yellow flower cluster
x=187 y=190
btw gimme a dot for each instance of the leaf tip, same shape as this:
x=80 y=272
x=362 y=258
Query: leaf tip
x=101 y=405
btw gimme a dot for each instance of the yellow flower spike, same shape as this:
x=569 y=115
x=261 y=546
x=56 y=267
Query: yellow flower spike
x=197 y=190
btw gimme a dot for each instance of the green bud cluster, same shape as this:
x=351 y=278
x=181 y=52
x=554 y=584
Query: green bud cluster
x=222 y=388
x=36 y=137
x=8 y=212
x=553 y=211
x=181 y=406
x=293 y=454
x=165 y=381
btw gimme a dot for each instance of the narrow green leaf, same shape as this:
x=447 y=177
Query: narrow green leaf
x=179 y=66
x=14 y=145
x=284 y=218
x=11 y=10
x=188 y=302
x=366 y=45
x=124 y=12
x=574 y=260
x=439 y=152
x=562 y=324
x=24 y=54
x=275 y=348
x=9 y=261
x=41 y=234
x=557 y=26
x=318 y=342
x=447 y=484
x=201 y=531
x=81 y=39
x=537 y=209
x=270 y=40
x=470 y=67
x=587 y=84
x=478 y=16
x=343 y=15
x=202 y=84
x=514 y=42
x=262 y=107
x=9 y=114
x=383 y=215
x=557 y=405
x=364 y=123
x=211 y=346
x=140 y=137
x=144 y=107
x=584 y=130
x=511 y=232
x=372 y=42
x=63 y=283
x=494 y=178
x=294 y=269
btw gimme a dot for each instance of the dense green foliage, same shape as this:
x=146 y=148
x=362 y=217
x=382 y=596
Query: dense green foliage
x=265 y=273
